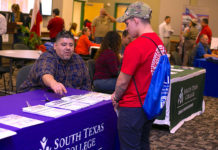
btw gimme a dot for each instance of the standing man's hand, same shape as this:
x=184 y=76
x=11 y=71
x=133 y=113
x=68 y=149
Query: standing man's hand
x=114 y=102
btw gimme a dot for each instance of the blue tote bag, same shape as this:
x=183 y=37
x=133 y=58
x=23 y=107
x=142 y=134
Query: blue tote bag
x=158 y=89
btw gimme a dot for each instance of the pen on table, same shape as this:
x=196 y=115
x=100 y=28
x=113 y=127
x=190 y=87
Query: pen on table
x=28 y=104
x=46 y=98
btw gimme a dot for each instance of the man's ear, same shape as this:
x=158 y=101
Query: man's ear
x=136 y=20
x=55 y=46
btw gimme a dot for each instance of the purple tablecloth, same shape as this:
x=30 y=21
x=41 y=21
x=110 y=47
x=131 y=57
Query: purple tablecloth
x=211 y=80
x=91 y=128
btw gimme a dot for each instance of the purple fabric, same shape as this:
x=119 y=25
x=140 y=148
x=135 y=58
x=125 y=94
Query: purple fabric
x=211 y=80
x=59 y=131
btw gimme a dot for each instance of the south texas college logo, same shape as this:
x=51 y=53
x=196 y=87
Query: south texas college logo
x=43 y=144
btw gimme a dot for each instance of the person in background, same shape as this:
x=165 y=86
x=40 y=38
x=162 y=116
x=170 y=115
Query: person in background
x=202 y=50
x=55 y=25
x=83 y=44
x=87 y=23
x=190 y=37
x=205 y=30
x=27 y=22
x=140 y=59
x=107 y=63
x=126 y=39
x=18 y=18
x=58 y=68
x=3 y=30
x=165 y=31
x=73 y=29
x=101 y=25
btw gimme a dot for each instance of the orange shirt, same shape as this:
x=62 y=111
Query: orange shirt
x=83 y=45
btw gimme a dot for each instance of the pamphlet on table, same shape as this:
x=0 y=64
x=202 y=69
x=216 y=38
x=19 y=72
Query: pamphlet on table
x=76 y=102
x=46 y=111
x=18 y=121
x=6 y=133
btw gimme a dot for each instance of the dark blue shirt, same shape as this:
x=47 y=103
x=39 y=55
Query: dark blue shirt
x=200 y=51
x=72 y=73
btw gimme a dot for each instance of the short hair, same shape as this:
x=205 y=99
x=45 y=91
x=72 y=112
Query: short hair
x=125 y=33
x=205 y=20
x=202 y=35
x=145 y=21
x=64 y=34
x=56 y=11
x=167 y=17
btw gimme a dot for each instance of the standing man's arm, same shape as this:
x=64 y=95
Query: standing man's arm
x=121 y=86
x=110 y=17
x=49 y=24
x=93 y=25
x=57 y=87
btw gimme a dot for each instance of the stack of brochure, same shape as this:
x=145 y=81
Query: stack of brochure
x=46 y=111
x=67 y=104
x=76 y=102
x=6 y=133
x=18 y=121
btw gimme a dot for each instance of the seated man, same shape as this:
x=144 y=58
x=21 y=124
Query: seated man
x=59 y=67
x=202 y=50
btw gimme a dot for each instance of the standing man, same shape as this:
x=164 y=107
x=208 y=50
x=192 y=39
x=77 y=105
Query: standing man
x=140 y=59
x=55 y=25
x=3 y=30
x=58 y=68
x=205 y=30
x=101 y=25
x=165 y=31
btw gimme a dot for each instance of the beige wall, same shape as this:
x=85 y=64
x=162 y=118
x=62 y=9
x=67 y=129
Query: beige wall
x=154 y=4
x=66 y=12
x=160 y=8
x=213 y=17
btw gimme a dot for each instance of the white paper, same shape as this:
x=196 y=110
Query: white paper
x=6 y=133
x=67 y=104
x=18 y=121
x=173 y=72
x=177 y=70
x=76 y=102
x=5 y=38
x=46 y=111
x=214 y=43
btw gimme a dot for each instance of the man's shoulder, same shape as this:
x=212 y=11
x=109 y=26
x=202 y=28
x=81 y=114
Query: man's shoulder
x=96 y=18
x=162 y=24
x=77 y=59
x=50 y=54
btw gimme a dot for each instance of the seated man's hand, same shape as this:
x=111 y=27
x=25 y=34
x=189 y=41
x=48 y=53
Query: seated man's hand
x=58 y=88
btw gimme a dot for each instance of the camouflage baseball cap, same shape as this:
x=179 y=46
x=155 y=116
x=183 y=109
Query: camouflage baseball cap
x=137 y=9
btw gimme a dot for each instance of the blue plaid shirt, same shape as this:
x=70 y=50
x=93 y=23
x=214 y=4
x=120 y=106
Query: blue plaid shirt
x=72 y=74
